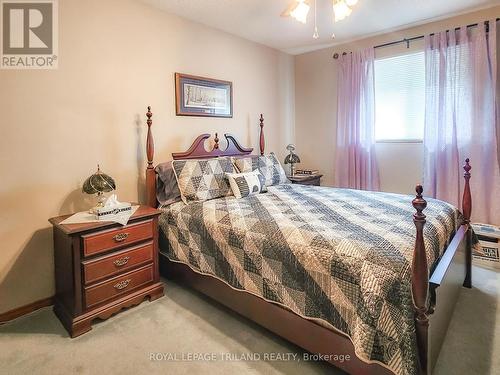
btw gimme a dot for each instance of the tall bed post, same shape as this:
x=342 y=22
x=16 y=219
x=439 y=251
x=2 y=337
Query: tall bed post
x=150 y=171
x=467 y=210
x=262 y=140
x=420 y=281
x=420 y=270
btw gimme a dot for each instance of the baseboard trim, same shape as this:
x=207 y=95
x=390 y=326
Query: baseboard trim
x=26 y=309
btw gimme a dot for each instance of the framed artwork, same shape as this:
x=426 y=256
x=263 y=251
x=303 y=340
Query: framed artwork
x=199 y=96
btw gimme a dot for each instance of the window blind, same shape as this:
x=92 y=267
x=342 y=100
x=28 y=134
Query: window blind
x=400 y=97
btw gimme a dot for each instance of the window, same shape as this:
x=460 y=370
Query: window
x=400 y=98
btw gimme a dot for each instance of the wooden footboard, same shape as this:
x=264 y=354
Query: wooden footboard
x=445 y=285
x=451 y=273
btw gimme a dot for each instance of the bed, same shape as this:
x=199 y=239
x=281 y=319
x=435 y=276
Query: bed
x=335 y=271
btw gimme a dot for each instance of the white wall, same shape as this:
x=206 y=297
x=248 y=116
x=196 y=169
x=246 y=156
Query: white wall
x=116 y=58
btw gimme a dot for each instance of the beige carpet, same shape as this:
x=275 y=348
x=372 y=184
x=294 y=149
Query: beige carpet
x=185 y=322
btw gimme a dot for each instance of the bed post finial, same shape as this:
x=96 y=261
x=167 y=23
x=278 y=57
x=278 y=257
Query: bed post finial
x=467 y=211
x=150 y=172
x=420 y=280
x=216 y=140
x=419 y=203
x=262 y=140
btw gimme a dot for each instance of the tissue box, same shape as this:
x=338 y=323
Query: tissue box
x=489 y=246
x=104 y=212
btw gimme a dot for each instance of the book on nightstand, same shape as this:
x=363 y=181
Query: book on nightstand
x=306 y=172
x=298 y=176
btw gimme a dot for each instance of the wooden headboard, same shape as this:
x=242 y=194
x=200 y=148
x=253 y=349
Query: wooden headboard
x=196 y=151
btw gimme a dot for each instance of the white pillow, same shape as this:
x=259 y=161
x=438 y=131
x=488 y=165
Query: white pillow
x=246 y=184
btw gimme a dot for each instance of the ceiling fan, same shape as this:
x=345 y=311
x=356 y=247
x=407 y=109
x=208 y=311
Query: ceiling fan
x=299 y=9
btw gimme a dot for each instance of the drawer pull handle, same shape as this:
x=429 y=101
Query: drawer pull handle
x=120 y=237
x=121 y=262
x=122 y=284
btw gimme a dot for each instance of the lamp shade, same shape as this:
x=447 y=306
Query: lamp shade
x=298 y=9
x=292 y=159
x=98 y=183
x=340 y=10
x=300 y=12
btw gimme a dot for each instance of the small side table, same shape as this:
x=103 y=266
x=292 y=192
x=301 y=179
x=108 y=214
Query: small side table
x=307 y=180
x=102 y=268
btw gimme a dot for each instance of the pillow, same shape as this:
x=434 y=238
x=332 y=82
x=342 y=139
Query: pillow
x=268 y=165
x=246 y=184
x=201 y=180
x=167 y=189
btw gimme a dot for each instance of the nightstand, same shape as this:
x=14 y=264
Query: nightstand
x=307 y=180
x=101 y=268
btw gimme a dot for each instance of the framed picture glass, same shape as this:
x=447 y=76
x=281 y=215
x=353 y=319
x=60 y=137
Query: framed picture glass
x=199 y=96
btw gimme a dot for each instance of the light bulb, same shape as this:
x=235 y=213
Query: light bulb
x=340 y=10
x=300 y=12
x=351 y=3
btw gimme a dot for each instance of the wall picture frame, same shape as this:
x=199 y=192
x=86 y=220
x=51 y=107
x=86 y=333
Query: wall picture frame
x=201 y=96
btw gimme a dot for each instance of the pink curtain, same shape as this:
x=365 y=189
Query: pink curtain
x=355 y=165
x=461 y=119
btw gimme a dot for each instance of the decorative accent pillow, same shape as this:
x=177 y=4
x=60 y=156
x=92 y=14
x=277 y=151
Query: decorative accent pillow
x=246 y=184
x=201 y=180
x=167 y=190
x=268 y=165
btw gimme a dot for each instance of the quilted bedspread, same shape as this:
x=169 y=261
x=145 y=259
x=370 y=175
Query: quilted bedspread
x=339 y=256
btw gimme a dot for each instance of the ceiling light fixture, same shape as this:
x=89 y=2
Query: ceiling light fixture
x=341 y=10
x=299 y=9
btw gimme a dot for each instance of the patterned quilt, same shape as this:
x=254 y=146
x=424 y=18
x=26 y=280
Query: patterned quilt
x=339 y=256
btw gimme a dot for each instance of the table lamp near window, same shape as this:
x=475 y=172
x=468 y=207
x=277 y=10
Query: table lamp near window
x=99 y=183
x=292 y=158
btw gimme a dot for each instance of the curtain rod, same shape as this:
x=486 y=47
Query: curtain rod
x=408 y=40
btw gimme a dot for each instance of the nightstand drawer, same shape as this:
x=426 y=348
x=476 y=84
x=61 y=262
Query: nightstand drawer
x=100 y=242
x=117 y=262
x=306 y=180
x=313 y=181
x=117 y=286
